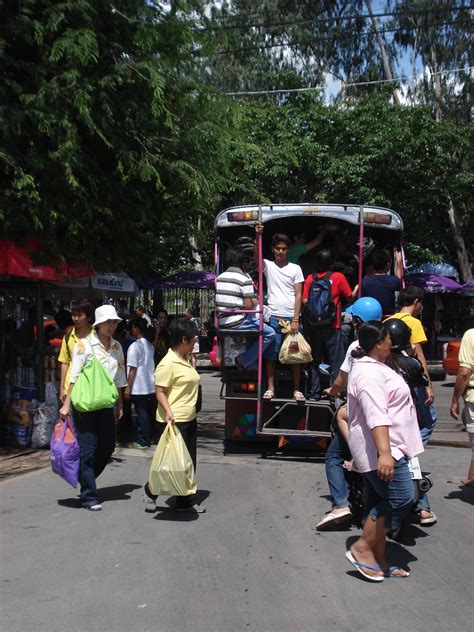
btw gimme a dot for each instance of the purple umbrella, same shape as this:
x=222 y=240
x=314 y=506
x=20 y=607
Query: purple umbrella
x=193 y=279
x=433 y=283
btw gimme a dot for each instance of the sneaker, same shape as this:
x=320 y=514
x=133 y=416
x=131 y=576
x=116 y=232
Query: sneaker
x=192 y=509
x=140 y=446
x=96 y=507
x=149 y=500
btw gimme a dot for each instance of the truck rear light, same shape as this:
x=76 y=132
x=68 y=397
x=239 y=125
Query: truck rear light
x=245 y=387
x=376 y=218
x=242 y=216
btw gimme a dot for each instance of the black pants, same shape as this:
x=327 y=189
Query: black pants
x=188 y=431
x=96 y=437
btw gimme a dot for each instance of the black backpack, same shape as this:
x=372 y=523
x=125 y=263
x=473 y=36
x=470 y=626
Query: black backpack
x=320 y=308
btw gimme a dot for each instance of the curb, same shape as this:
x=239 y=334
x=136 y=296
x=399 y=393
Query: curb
x=449 y=444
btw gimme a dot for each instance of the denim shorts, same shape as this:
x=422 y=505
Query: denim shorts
x=391 y=499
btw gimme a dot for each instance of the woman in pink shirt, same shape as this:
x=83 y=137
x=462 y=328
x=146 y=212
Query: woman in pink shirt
x=383 y=435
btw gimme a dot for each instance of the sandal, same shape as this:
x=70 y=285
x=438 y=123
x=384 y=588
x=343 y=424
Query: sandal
x=269 y=394
x=391 y=571
x=298 y=396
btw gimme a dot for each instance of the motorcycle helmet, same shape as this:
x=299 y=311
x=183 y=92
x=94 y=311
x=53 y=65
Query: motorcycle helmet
x=366 y=309
x=399 y=332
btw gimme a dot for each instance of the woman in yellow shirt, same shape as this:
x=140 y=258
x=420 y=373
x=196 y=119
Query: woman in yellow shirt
x=82 y=316
x=177 y=386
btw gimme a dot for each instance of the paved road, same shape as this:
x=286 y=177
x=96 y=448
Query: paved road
x=252 y=562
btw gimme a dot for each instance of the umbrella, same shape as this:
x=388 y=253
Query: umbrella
x=433 y=283
x=193 y=279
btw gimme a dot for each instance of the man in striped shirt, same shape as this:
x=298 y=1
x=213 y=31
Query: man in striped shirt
x=235 y=292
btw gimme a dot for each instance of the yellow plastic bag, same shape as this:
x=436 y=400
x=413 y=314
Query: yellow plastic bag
x=295 y=349
x=172 y=469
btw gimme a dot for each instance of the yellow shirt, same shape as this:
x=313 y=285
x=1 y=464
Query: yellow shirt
x=466 y=359
x=418 y=335
x=65 y=354
x=182 y=382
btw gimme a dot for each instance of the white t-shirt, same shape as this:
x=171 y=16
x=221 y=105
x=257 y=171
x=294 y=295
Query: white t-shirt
x=346 y=366
x=141 y=355
x=281 y=287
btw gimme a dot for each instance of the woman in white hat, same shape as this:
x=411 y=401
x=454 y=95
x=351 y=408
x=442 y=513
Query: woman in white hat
x=96 y=429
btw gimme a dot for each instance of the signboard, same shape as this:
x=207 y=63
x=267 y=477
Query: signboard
x=110 y=282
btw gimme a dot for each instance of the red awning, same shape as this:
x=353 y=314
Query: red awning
x=16 y=261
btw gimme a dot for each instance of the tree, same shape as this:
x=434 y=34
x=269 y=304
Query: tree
x=106 y=141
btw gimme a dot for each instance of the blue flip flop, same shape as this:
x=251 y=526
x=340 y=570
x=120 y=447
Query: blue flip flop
x=388 y=573
x=359 y=566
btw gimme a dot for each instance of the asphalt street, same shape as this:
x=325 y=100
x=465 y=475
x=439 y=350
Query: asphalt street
x=252 y=562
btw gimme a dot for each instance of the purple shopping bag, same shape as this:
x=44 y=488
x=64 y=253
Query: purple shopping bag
x=65 y=453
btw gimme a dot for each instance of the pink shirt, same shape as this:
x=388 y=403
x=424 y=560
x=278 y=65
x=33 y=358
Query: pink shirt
x=378 y=396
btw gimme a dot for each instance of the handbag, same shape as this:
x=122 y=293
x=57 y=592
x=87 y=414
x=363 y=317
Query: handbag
x=65 y=452
x=94 y=388
x=172 y=470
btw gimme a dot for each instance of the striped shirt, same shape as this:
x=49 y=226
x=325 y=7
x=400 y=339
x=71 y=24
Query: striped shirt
x=232 y=287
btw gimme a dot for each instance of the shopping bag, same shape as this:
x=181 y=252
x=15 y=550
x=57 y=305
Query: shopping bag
x=65 y=453
x=295 y=350
x=94 y=388
x=172 y=469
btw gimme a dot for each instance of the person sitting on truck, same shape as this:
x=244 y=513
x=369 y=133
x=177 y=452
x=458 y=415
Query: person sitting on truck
x=380 y=285
x=235 y=291
x=411 y=305
x=322 y=295
x=284 y=289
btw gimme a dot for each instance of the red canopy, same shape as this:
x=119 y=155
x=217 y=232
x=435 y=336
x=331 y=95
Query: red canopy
x=16 y=261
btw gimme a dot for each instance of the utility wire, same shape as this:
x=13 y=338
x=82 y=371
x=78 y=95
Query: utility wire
x=347 y=84
x=324 y=20
x=330 y=34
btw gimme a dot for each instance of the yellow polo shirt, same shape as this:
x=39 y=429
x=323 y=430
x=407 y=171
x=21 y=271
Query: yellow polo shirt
x=65 y=354
x=418 y=335
x=466 y=360
x=182 y=382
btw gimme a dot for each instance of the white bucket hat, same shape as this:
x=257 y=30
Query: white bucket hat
x=104 y=313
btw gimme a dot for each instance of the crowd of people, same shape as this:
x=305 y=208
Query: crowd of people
x=389 y=416
x=150 y=364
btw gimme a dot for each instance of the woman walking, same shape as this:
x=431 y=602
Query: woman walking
x=96 y=429
x=82 y=314
x=383 y=435
x=140 y=383
x=177 y=385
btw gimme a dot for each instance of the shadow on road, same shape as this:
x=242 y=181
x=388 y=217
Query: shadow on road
x=167 y=511
x=114 y=492
x=465 y=494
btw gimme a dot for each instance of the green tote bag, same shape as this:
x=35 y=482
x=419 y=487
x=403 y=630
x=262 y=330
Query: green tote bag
x=94 y=388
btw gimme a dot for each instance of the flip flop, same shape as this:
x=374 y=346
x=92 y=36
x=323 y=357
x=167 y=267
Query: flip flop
x=359 y=566
x=389 y=572
x=427 y=522
x=331 y=519
x=298 y=396
x=269 y=394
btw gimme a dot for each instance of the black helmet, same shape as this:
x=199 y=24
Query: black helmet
x=399 y=332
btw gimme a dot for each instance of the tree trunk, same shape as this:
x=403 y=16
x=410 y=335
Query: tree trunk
x=463 y=259
x=383 y=52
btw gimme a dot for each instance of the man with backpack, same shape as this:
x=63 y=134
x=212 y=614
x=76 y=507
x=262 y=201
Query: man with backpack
x=322 y=294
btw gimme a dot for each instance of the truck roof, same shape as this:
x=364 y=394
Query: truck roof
x=249 y=214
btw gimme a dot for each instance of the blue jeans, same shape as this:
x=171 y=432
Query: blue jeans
x=390 y=499
x=96 y=437
x=430 y=419
x=335 y=472
x=250 y=356
x=145 y=407
x=329 y=341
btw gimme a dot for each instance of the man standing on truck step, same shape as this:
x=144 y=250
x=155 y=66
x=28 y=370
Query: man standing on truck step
x=380 y=285
x=284 y=289
x=322 y=296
